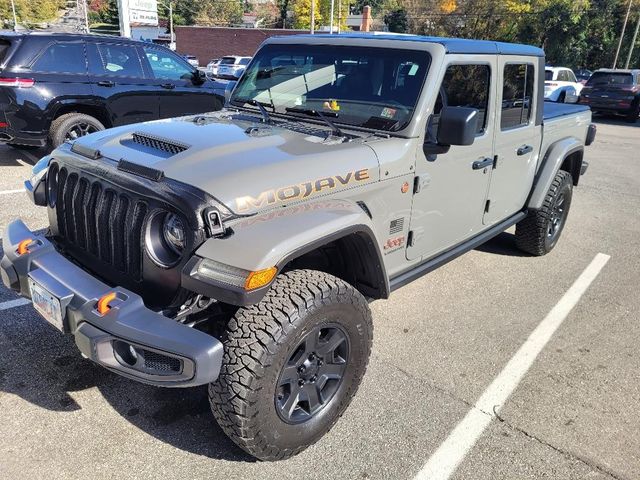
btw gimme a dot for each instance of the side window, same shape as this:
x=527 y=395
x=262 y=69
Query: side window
x=572 y=76
x=167 y=65
x=463 y=86
x=118 y=60
x=62 y=58
x=517 y=95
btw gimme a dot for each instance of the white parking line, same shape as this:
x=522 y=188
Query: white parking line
x=444 y=461
x=13 y=303
x=9 y=192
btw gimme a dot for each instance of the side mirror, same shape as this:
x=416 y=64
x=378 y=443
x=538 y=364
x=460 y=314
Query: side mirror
x=198 y=77
x=571 y=97
x=456 y=126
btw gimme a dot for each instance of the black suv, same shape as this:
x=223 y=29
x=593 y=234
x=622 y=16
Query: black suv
x=613 y=91
x=57 y=87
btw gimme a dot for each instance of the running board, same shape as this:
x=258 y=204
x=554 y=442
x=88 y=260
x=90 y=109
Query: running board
x=423 y=268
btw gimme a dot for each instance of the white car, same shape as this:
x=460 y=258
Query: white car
x=561 y=85
x=233 y=66
x=212 y=67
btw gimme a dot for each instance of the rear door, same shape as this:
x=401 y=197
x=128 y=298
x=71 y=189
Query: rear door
x=178 y=93
x=119 y=82
x=517 y=138
x=449 y=205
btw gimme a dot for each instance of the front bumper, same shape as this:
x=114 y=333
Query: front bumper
x=129 y=339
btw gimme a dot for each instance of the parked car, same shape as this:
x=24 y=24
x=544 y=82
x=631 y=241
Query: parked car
x=583 y=75
x=212 y=67
x=241 y=249
x=57 y=87
x=232 y=67
x=193 y=60
x=614 y=91
x=560 y=82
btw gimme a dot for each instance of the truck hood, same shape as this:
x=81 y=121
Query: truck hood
x=245 y=164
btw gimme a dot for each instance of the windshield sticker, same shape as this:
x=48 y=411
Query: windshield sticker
x=300 y=190
x=388 y=113
x=414 y=69
x=331 y=105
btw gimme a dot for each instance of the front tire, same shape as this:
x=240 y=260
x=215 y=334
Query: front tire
x=540 y=230
x=292 y=363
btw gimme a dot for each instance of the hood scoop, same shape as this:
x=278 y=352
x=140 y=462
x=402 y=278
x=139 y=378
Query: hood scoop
x=159 y=146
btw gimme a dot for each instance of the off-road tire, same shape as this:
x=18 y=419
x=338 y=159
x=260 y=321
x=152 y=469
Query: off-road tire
x=532 y=232
x=634 y=114
x=257 y=344
x=61 y=125
x=562 y=96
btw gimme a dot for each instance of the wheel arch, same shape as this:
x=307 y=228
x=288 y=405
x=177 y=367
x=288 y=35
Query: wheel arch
x=565 y=154
x=97 y=111
x=333 y=236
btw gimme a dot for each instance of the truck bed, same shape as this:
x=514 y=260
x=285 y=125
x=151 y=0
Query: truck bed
x=553 y=110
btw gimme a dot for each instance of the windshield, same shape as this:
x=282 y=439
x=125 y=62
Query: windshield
x=600 y=78
x=366 y=87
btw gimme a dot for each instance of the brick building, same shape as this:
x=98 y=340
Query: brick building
x=207 y=43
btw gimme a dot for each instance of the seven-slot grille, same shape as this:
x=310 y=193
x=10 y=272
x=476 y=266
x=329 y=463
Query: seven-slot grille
x=95 y=218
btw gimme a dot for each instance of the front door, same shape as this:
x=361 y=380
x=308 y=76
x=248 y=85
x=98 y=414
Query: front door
x=178 y=93
x=450 y=203
x=517 y=139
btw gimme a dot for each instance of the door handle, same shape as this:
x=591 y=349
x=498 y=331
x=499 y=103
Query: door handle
x=482 y=163
x=168 y=86
x=524 y=149
x=106 y=83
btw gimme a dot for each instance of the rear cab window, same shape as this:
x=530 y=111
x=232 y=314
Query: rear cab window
x=228 y=60
x=62 y=57
x=517 y=95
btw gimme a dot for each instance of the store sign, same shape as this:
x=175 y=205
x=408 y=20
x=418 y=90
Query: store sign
x=143 y=12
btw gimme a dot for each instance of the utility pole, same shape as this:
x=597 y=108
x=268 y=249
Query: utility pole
x=85 y=7
x=339 y=18
x=624 y=27
x=15 y=19
x=633 y=42
x=172 y=42
x=123 y=17
x=331 y=22
x=313 y=16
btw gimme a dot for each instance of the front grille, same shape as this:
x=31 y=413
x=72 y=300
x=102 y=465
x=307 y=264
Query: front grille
x=158 y=143
x=100 y=221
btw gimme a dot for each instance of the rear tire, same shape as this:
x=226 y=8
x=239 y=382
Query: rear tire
x=562 y=97
x=71 y=126
x=632 y=116
x=539 y=231
x=292 y=363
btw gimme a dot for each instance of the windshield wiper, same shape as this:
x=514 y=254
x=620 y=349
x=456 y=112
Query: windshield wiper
x=241 y=102
x=322 y=116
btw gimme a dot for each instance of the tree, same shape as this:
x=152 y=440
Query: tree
x=397 y=21
x=302 y=14
x=219 y=12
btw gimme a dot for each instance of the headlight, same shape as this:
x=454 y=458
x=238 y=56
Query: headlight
x=174 y=233
x=35 y=186
x=166 y=238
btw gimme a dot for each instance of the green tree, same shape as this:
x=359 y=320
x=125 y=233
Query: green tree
x=397 y=21
x=302 y=14
x=219 y=12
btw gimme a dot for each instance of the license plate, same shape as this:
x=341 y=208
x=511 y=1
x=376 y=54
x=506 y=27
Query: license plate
x=46 y=304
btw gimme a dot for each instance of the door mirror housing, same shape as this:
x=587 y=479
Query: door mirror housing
x=456 y=126
x=198 y=77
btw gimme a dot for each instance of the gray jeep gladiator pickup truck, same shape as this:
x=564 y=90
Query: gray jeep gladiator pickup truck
x=241 y=248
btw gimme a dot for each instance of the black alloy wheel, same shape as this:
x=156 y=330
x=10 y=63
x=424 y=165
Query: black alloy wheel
x=78 y=130
x=312 y=374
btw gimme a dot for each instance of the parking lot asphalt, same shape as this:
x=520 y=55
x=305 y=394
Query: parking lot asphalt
x=439 y=342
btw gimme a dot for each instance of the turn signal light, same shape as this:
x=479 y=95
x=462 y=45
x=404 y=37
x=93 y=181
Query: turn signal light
x=103 y=304
x=260 y=278
x=23 y=246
